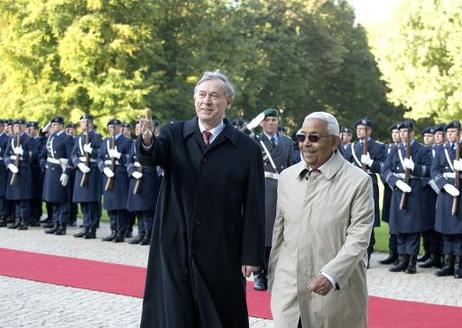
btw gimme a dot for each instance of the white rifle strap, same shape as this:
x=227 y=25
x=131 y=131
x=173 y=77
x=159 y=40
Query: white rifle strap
x=108 y=145
x=80 y=145
x=401 y=157
x=448 y=159
x=269 y=156
x=355 y=157
x=51 y=147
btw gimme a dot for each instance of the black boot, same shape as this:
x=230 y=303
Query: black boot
x=15 y=224
x=119 y=238
x=61 y=230
x=53 y=229
x=411 y=267
x=82 y=233
x=433 y=261
x=24 y=224
x=448 y=268
x=34 y=222
x=458 y=267
x=48 y=225
x=137 y=239
x=146 y=239
x=424 y=258
x=110 y=237
x=392 y=257
x=2 y=221
x=402 y=264
x=91 y=234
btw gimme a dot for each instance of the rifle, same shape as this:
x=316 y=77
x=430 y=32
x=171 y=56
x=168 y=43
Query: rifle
x=110 y=181
x=16 y=161
x=403 y=202
x=137 y=188
x=365 y=146
x=85 y=177
x=455 y=199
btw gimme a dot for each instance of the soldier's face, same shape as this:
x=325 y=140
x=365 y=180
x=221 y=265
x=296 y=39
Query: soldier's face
x=346 y=138
x=16 y=129
x=2 y=128
x=453 y=135
x=317 y=153
x=56 y=127
x=406 y=134
x=395 y=136
x=85 y=124
x=439 y=137
x=362 y=131
x=211 y=103
x=428 y=139
x=114 y=129
x=270 y=125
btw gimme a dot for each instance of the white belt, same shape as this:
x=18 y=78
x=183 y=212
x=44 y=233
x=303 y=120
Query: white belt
x=137 y=164
x=13 y=157
x=271 y=175
x=450 y=175
x=1 y=158
x=109 y=162
x=84 y=159
x=59 y=161
x=403 y=176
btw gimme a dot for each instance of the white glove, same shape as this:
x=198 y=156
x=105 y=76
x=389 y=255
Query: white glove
x=409 y=164
x=451 y=190
x=13 y=168
x=108 y=172
x=87 y=148
x=256 y=121
x=64 y=178
x=137 y=175
x=366 y=160
x=458 y=165
x=18 y=150
x=84 y=168
x=403 y=186
x=113 y=153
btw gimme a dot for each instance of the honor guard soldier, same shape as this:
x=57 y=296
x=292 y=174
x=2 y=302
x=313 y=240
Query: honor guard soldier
x=387 y=192
x=368 y=154
x=345 y=139
x=88 y=179
x=18 y=155
x=58 y=168
x=3 y=174
x=71 y=129
x=403 y=170
x=439 y=134
x=445 y=173
x=143 y=191
x=277 y=151
x=112 y=163
x=431 y=238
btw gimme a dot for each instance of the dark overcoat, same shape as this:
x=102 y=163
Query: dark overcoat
x=378 y=153
x=146 y=198
x=430 y=195
x=3 y=169
x=115 y=199
x=387 y=190
x=22 y=188
x=411 y=219
x=282 y=156
x=59 y=147
x=209 y=222
x=441 y=172
x=92 y=191
x=38 y=172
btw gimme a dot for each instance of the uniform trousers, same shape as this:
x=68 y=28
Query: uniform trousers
x=408 y=243
x=60 y=213
x=36 y=209
x=119 y=220
x=90 y=212
x=22 y=208
x=432 y=242
x=452 y=244
x=393 y=243
x=3 y=207
x=145 y=221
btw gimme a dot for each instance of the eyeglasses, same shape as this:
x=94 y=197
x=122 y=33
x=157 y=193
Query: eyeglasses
x=301 y=137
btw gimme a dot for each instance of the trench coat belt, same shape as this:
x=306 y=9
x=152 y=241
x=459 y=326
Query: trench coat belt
x=403 y=176
x=450 y=175
x=272 y=175
x=84 y=159
x=137 y=164
x=109 y=162
x=59 y=161
x=13 y=158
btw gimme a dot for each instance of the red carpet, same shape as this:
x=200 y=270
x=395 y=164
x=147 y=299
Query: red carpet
x=129 y=280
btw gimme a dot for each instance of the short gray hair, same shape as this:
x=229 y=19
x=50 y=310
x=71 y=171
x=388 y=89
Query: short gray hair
x=329 y=119
x=217 y=75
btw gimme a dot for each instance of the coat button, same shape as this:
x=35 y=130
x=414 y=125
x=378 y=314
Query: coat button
x=197 y=221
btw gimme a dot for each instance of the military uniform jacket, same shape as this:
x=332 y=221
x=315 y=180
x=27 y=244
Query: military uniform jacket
x=411 y=219
x=22 y=188
x=146 y=198
x=378 y=153
x=115 y=199
x=56 y=157
x=38 y=173
x=92 y=191
x=3 y=169
x=442 y=172
x=387 y=190
x=282 y=156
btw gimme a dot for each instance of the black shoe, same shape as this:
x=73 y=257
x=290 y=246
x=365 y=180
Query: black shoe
x=82 y=233
x=136 y=240
x=260 y=282
x=48 y=225
x=448 y=268
x=110 y=237
x=53 y=229
x=402 y=264
x=458 y=267
x=424 y=258
x=119 y=239
x=391 y=259
x=146 y=239
x=411 y=267
x=23 y=227
x=433 y=261
x=15 y=225
x=61 y=230
x=128 y=234
x=91 y=234
x=34 y=223
x=2 y=222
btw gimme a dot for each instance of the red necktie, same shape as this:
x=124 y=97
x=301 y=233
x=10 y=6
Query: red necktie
x=206 y=137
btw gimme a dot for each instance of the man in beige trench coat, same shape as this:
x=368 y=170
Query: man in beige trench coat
x=324 y=218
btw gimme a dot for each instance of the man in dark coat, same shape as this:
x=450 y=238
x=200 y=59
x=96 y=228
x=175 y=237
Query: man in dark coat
x=38 y=143
x=208 y=232
x=277 y=152
x=88 y=179
x=3 y=175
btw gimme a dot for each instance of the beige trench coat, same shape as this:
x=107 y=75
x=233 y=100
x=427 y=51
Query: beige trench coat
x=323 y=224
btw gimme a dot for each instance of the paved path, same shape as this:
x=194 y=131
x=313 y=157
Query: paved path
x=31 y=304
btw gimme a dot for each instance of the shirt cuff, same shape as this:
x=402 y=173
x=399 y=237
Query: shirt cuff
x=331 y=279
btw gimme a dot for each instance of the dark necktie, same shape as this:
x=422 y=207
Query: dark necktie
x=273 y=142
x=206 y=137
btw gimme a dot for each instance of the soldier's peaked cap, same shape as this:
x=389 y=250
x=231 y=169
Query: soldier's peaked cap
x=114 y=121
x=428 y=130
x=453 y=125
x=407 y=124
x=57 y=119
x=20 y=121
x=364 y=121
x=33 y=124
x=270 y=112
x=439 y=128
x=345 y=130
x=87 y=117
